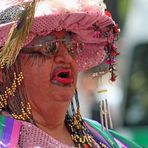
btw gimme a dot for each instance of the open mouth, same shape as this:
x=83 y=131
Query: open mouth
x=62 y=77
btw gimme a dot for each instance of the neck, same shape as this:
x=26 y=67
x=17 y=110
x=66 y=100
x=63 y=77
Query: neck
x=52 y=121
x=52 y=117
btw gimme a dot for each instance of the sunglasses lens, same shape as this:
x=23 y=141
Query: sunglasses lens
x=50 y=49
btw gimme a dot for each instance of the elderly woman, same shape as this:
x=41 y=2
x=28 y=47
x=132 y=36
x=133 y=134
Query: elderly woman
x=43 y=46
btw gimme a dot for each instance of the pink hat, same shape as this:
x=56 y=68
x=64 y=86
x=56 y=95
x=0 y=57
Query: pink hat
x=86 y=18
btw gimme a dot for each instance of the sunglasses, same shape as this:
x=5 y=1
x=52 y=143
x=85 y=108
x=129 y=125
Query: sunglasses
x=51 y=48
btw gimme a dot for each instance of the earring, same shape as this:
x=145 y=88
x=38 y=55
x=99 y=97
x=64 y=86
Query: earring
x=25 y=112
x=10 y=91
x=9 y=94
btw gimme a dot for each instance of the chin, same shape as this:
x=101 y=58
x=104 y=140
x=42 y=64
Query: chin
x=65 y=96
x=62 y=93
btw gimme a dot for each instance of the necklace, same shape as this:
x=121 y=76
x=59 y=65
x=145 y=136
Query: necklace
x=78 y=131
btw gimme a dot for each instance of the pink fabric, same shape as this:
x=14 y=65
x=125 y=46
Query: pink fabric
x=120 y=143
x=33 y=137
x=15 y=134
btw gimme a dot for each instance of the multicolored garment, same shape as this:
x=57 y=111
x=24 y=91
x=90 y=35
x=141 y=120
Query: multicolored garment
x=110 y=138
x=14 y=133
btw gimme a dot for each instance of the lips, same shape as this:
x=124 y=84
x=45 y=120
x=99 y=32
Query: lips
x=62 y=77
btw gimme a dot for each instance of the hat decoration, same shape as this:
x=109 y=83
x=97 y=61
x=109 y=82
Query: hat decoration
x=17 y=35
x=87 y=19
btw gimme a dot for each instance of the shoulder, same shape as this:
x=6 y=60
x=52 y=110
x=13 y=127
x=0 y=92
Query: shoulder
x=108 y=137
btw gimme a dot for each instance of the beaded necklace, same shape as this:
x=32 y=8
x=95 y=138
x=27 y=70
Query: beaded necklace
x=80 y=134
x=78 y=131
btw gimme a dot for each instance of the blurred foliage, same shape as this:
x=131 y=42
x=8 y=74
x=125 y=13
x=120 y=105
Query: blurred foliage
x=119 y=9
x=137 y=96
x=123 y=7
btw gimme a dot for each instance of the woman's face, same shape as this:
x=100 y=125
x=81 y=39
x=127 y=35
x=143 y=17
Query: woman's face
x=49 y=76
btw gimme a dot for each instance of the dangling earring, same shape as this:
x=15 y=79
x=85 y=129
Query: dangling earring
x=10 y=92
x=24 y=112
x=13 y=98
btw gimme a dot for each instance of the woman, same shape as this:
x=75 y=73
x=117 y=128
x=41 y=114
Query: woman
x=43 y=46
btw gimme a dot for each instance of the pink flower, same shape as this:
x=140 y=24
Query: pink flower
x=110 y=62
x=116 y=28
x=114 y=53
x=107 y=13
x=113 y=77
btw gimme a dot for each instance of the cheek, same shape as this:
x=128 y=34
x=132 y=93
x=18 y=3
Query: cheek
x=36 y=74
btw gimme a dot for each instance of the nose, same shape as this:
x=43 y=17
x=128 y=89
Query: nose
x=63 y=56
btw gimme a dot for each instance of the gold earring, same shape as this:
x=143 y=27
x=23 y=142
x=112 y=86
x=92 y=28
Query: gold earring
x=25 y=112
x=10 y=92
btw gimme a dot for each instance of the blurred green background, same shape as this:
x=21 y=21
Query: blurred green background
x=132 y=17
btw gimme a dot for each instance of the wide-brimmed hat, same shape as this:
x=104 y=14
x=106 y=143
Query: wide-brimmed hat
x=22 y=21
